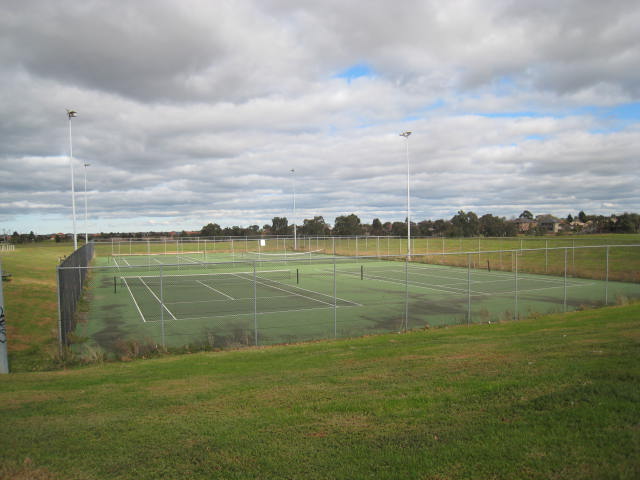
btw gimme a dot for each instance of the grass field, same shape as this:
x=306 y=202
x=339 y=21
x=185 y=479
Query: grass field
x=31 y=304
x=556 y=397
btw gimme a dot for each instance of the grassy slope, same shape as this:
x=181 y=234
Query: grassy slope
x=557 y=397
x=31 y=303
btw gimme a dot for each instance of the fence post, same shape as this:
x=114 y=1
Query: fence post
x=406 y=293
x=546 y=256
x=606 y=278
x=255 y=304
x=515 y=313
x=164 y=342
x=4 y=358
x=60 y=342
x=565 y=278
x=335 y=301
x=468 y=288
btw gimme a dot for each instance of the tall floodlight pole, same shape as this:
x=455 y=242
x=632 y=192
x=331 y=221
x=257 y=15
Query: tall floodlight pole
x=295 y=236
x=86 y=223
x=71 y=114
x=406 y=136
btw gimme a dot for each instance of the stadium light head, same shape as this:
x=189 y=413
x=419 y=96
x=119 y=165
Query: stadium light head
x=72 y=113
x=405 y=134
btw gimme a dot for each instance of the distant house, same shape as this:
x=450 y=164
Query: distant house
x=525 y=224
x=549 y=223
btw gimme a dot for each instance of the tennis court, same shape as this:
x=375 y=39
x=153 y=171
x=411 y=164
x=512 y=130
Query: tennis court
x=277 y=299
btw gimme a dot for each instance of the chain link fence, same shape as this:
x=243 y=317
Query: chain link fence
x=138 y=300
x=71 y=276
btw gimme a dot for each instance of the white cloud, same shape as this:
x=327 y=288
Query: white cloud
x=191 y=112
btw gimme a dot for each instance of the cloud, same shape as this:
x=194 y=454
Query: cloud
x=195 y=112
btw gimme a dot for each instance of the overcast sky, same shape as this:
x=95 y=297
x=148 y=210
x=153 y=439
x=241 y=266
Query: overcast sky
x=192 y=112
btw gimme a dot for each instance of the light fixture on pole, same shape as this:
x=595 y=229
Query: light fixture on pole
x=406 y=136
x=71 y=114
x=295 y=236
x=86 y=223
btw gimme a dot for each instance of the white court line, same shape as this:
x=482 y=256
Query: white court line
x=215 y=290
x=214 y=300
x=262 y=313
x=188 y=259
x=156 y=297
x=134 y=300
x=310 y=291
x=400 y=282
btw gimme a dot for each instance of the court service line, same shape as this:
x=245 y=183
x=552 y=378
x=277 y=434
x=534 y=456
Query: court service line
x=262 y=313
x=215 y=290
x=214 y=300
x=304 y=296
x=144 y=320
x=156 y=297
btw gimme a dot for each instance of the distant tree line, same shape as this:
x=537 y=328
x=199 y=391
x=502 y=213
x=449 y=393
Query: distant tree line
x=462 y=224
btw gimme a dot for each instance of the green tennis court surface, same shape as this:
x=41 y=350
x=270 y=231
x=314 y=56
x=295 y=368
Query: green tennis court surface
x=296 y=298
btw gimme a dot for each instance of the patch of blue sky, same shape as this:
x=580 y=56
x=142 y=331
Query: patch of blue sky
x=523 y=114
x=355 y=71
x=419 y=114
x=625 y=111
x=537 y=137
x=504 y=85
x=613 y=119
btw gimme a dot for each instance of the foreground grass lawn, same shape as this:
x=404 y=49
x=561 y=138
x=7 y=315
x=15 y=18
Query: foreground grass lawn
x=557 y=397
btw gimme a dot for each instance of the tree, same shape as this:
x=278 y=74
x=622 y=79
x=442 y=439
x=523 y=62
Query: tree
x=526 y=214
x=569 y=218
x=425 y=228
x=315 y=226
x=347 y=225
x=279 y=226
x=582 y=217
x=399 y=229
x=211 y=230
x=441 y=227
x=627 y=223
x=376 y=227
x=492 y=226
x=465 y=224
